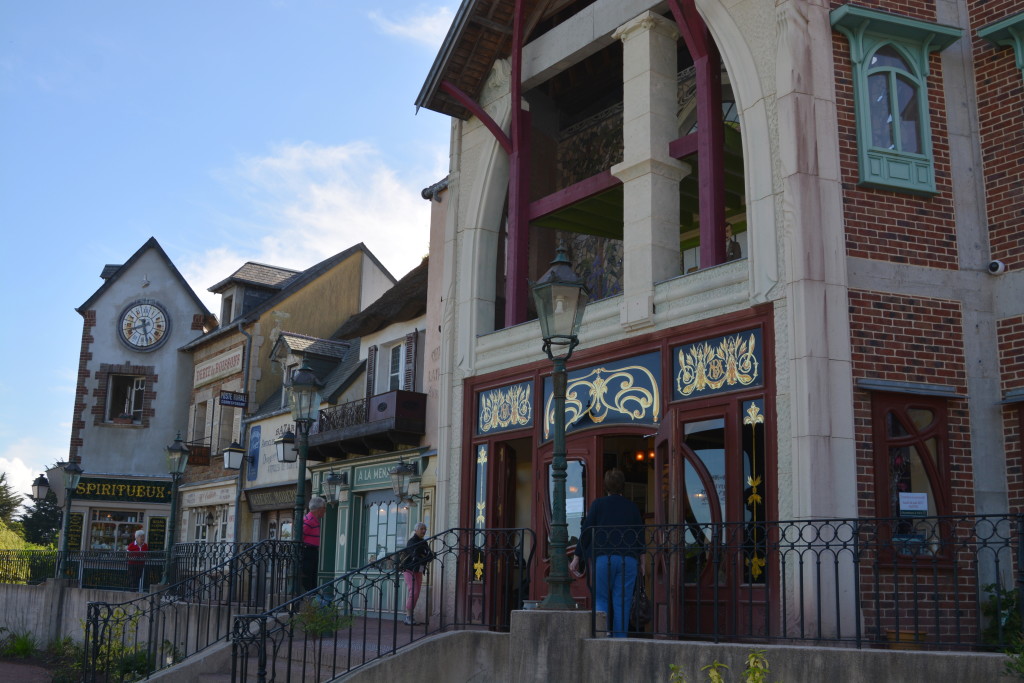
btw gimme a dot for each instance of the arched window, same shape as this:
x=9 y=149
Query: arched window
x=889 y=56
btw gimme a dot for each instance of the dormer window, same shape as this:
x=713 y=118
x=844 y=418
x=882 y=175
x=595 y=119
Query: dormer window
x=226 y=307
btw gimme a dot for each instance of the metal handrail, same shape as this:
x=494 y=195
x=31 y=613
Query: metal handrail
x=476 y=578
x=132 y=640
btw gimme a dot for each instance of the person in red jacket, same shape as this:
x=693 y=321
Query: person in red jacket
x=137 y=550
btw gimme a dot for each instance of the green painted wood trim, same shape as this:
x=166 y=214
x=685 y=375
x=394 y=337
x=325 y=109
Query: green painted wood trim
x=1008 y=32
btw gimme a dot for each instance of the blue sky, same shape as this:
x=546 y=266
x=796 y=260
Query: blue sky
x=278 y=131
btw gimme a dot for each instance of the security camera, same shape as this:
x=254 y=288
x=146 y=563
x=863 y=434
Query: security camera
x=996 y=267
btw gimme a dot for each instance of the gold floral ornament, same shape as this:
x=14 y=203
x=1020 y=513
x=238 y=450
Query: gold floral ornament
x=480 y=508
x=704 y=366
x=630 y=391
x=505 y=407
x=478 y=568
x=754 y=498
x=756 y=564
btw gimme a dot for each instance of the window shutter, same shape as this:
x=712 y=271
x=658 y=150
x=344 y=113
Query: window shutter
x=409 y=381
x=371 y=371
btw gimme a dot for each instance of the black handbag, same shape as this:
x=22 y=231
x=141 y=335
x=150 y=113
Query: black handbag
x=640 y=613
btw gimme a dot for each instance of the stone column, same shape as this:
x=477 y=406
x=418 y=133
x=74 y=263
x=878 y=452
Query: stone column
x=649 y=175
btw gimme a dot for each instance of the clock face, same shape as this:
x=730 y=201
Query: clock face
x=144 y=325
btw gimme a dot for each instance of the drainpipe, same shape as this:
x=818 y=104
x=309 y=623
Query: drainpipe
x=241 y=429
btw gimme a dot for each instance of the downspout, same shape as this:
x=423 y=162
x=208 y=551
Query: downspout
x=241 y=429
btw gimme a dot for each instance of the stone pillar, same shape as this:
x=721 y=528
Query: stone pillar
x=649 y=175
x=546 y=645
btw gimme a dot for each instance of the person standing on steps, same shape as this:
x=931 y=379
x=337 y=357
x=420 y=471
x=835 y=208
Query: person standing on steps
x=137 y=550
x=311 y=541
x=414 y=564
x=612 y=541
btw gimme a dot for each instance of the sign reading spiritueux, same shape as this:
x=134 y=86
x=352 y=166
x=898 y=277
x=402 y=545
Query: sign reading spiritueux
x=125 y=491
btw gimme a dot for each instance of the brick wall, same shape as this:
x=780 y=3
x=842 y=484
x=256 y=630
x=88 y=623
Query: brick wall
x=1000 y=87
x=84 y=356
x=886 y=225
x=1010 y=333
x=910 y=339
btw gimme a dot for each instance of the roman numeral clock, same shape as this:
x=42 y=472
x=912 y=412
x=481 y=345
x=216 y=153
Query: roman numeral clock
x=144 y=325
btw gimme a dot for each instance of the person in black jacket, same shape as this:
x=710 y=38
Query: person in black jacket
x=416 y=558
x=612 y=541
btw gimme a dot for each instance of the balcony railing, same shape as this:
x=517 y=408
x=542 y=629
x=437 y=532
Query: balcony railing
x=950 y=583
x=386 y=421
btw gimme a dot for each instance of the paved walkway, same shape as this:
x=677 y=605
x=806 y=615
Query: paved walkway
x=24 y=673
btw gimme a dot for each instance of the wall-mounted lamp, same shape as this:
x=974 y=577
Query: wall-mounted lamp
x=286 y=451
x=401 y=480
x=40 y=487
x=332 y=484
x=233 y=455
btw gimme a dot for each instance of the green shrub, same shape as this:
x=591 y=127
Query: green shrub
x=756 y=670
x=1003 y=613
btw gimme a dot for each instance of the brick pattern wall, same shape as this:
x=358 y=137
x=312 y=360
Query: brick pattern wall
x=103 y=384
x=886 y=225
x=910 y=339
x=1010 y=333
x=1000 y=87
x=84 y=356
x=913 y=339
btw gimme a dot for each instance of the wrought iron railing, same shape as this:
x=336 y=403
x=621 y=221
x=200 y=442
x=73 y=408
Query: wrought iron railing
x=109 y=569
x=477 y=577
x=926 y=582
x=132 y=640
x=341 y=416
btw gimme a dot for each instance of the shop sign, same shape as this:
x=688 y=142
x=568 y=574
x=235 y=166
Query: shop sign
x=124 y=491
x=373 y=475
x=157 y=534
x=236 y=399
x=75 y=523
x=271 y=499
x=225 y=364
x=217 y=496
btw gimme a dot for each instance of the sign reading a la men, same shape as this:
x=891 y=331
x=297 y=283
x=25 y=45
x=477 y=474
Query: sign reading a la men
x=123 y=491
x=218 y=367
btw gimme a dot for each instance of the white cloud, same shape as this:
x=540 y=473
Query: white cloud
x=423 y=28
x=310 y=202
x=26 y=458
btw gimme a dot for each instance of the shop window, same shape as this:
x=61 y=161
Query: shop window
x=126 y=394
x=113 y=529
x=889 y=56
x=387 y=525
x=911 y=468
x=200 y=530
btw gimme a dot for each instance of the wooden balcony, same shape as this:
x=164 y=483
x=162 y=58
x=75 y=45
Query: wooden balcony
x=385 y=422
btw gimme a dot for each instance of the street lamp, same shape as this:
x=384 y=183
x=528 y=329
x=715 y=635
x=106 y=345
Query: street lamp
x=72 y=475
x=304 y=396
x=401 y=476
x=233 y=455
x=40 y=487
x=177 y=460
x=560 y=297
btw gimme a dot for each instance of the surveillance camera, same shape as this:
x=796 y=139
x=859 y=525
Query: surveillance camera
x=996 y=267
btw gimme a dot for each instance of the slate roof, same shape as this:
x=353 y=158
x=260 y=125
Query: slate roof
x=112 y=272
x=304 y=344
x=260 y=274
x=293 y=285
x=405 y=301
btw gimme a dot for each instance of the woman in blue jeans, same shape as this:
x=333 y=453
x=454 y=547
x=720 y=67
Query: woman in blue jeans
x=612 y=541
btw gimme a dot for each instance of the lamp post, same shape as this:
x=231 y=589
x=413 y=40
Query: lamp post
x=560 y=297
x=72 y=475
x=304 y=396
x=177 y=460
x=40 y=488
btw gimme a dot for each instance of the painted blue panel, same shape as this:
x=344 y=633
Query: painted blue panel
x=505 y=408
x=715 y=366
x=253 y=468
x=626 y=391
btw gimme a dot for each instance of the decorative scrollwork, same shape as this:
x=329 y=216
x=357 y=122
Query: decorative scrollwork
x=704 y=366
x=505 y=408
x=630 y=391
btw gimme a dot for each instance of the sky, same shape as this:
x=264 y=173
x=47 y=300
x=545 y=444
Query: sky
x=276 y=131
